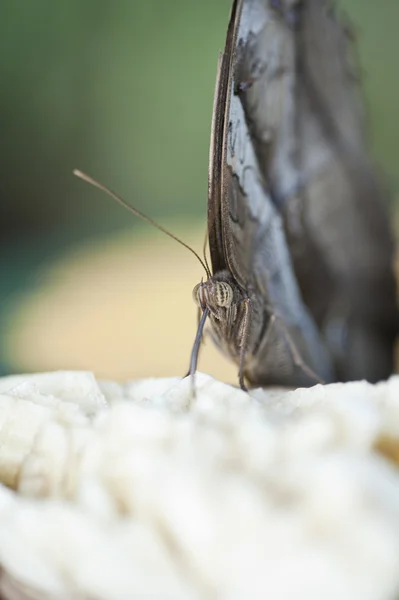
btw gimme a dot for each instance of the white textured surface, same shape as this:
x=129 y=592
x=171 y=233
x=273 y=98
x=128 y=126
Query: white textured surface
x=135 y=491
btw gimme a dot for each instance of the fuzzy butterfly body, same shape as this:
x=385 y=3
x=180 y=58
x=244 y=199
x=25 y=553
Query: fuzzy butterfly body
x=277 y=230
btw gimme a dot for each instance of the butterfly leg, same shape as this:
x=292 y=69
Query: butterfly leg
x=245 y=327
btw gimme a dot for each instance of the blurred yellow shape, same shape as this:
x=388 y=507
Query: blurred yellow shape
x=121 y=307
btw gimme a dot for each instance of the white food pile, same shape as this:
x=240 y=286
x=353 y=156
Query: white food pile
x=141 y=492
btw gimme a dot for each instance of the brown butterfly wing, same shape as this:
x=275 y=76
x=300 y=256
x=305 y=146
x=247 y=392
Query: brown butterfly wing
x=215 y=235
x=252 y=239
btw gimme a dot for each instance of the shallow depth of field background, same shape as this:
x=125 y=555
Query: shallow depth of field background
x=124 y=90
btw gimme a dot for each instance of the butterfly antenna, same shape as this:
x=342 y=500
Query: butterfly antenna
x=139 y=214
x=204 y=251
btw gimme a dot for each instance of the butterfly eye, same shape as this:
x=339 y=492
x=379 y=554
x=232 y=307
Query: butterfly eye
x=224 y=294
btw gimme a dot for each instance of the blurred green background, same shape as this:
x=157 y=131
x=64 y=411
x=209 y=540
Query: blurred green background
x=123 y=90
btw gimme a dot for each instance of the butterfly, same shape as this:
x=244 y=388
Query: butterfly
x=252 y=298
x=300 y=241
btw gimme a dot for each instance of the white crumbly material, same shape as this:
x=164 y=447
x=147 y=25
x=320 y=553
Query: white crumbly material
x=142 y=492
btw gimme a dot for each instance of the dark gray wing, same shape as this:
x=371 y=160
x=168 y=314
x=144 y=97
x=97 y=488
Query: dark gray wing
x=313 y=151
x=254 y=243
x=345 y=211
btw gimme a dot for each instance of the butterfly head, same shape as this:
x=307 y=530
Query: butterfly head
x=213 y=294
